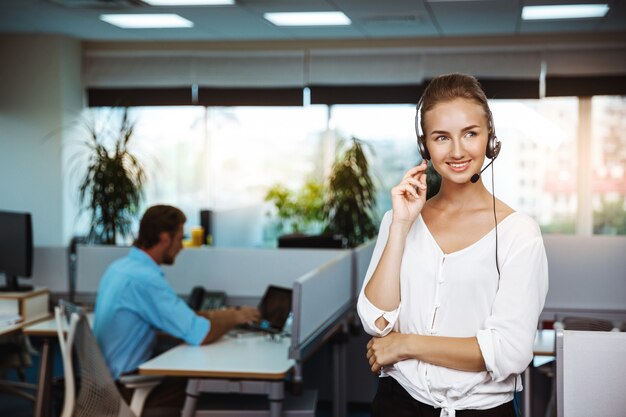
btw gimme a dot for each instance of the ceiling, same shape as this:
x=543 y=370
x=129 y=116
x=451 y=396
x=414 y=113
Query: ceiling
x=371 y=20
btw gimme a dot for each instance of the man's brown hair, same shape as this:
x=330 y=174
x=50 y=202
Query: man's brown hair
x=157 y=219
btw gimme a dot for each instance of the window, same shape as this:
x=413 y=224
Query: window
x=536 y=170
x=608 y=133
x=226 y=158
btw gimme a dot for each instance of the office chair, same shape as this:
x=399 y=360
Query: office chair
x=98 y=395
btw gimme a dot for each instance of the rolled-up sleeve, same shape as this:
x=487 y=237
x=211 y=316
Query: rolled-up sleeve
x=162 y=308
x=507 y=337
x=368 y=312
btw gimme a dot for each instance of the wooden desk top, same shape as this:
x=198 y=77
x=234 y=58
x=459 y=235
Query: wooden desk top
x=23 y=325
x=247 y=356
x=47 y=327
x=10 y=329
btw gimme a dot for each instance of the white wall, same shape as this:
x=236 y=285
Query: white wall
x=40 y=92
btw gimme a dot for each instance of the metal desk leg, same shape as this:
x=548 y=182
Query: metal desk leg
x=189 y=409
x=276 y=395
x=339 y=379
x=527 y=392
x=42 y=401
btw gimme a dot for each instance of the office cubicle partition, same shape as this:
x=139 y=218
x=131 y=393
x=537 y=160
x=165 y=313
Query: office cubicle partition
x=240 y=272
x=362 y=256
x=587 y=277
x=321 y=298
x=591 y=373
x=50 y=268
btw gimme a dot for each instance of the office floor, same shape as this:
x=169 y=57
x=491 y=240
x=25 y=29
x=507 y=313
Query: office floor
x=11 y=405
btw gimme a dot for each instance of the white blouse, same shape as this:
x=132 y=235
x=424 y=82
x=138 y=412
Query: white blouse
x=459 y=295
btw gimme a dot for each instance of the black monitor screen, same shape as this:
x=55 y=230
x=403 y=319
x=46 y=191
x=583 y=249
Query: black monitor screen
x=16 y=248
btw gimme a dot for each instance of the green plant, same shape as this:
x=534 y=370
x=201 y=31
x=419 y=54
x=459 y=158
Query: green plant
x=111 y=189
x=302 y=209
x=351 y=197
x=610 y=219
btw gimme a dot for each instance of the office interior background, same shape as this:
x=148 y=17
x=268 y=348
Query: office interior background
x=222 y=116
x=233 y=104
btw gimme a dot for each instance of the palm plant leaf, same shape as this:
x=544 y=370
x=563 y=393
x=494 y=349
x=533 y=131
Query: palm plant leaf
x=351 y=198
x=111 y=189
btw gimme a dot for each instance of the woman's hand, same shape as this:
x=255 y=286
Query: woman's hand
x=408 y=197
x=386 y=350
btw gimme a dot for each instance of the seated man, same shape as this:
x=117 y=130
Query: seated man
x=135 y=301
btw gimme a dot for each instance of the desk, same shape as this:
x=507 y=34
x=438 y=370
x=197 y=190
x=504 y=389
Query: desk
x=544 y=346
x=251 y=363
x=47 y=329
x=11 y=328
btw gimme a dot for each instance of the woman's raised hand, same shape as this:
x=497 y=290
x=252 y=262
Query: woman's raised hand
x=408 y=197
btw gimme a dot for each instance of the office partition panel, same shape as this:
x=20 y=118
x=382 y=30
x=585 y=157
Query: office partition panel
x=320 y=299
x=591 y=373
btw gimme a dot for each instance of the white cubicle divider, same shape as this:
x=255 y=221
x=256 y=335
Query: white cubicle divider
x=591 y=374
x=243 y=272
x=587 y=274
x=362 y=256
x=50 y=268
x=320 y=298
x=91 y=262
x=236 y=271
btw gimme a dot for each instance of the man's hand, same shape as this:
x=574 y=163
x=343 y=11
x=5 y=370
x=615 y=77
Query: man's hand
x=386 y=350
x=222 y=321
x=245 y=314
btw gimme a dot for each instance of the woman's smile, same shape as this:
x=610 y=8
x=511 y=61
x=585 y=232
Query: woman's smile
x=459 y=166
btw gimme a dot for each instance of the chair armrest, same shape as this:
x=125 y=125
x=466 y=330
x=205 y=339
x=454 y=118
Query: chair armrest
x=140 y=381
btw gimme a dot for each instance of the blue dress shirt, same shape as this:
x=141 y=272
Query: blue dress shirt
x=135 y=301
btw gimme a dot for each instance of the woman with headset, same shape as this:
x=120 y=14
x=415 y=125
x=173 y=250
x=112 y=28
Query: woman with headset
x=456 y=284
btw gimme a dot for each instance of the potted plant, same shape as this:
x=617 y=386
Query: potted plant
x=351 y=197
x=302 y=211
x=111 y=189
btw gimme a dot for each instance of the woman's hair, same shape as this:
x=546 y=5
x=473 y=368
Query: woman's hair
x=448 y=87
x=158 y=219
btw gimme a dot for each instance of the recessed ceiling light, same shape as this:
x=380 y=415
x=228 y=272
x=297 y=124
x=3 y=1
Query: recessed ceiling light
x=189 y=2
x=565 y=11
x=146 y=21
x=308 y=19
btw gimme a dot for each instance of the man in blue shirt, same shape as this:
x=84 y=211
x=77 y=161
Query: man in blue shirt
x=135 y=301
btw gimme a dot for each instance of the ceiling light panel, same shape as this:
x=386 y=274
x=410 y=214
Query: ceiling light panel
x=308 y=19
x=189 y=2
x=146 y=21
x=565 y=11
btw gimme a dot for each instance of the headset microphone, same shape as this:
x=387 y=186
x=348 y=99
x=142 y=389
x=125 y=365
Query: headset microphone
x=476 y=177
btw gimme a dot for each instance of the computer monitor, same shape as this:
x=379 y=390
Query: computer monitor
x=16 y=249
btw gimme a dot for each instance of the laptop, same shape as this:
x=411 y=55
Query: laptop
x=274 y=307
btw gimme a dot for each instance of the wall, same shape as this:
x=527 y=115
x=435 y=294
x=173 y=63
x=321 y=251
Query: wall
x=40 y=92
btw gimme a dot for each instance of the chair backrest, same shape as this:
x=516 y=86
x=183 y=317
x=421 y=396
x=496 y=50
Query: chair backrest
x=98 y=396
x=586 y=323
x=591 y=373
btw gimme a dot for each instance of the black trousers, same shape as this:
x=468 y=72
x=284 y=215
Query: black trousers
x=392 y=400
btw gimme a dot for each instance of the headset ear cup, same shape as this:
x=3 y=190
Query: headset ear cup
x=493 y=147
x=421 y=146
